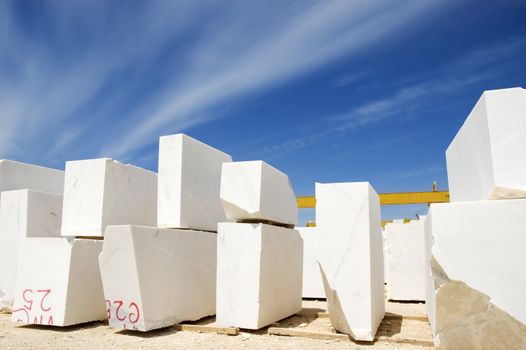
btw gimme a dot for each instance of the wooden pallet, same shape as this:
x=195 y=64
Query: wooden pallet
x=384 y=335
x=294 y=332
x=206 y=325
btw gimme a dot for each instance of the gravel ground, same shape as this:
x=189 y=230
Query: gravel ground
x=98 y=335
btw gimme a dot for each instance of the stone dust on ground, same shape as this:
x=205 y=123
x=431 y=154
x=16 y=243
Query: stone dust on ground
x=404 y=328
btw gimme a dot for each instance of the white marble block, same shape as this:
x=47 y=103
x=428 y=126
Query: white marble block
x=58 y=282
x=478 y=269
x=101 y=192
x=385 y=254
x=189 y=183
x=405 y=260
x=18 y=176
x=487 y=158
x=351 y=256
x=25 y=213
x=255 y=190
x=155 y=278
x=259 y=271
x=312 y=282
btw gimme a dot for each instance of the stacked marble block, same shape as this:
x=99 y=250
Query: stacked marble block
x=475 y=278
x=158 y=276
x=31 y=199
x=404 y=259
x=259 y=256
x=59 y=281
x=351 y=256
x=312 y=281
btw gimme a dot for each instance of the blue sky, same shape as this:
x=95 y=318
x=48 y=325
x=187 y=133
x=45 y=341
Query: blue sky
x=326 y=91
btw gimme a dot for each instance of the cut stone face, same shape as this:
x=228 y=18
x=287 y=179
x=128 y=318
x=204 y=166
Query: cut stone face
x=255 y=190
x=312 y=282
x=25 y=213
x=58 y=282
x=386 y=256
x=405 y=260
x=189 y=183
x=477 y=265
x=155 y=278
x=101 y=192
x=17 y=176
x=259 y=271
x=486 y=160
x=351 y=256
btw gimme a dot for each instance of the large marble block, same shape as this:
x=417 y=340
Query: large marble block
x=312 y=282
x=18 y=176
x=259 y=271
x=101 y=192
x=189 y=183
x=487 y=158
x=351 y=256
x=257 y=191
x=155 y=278
x=478 y=272
x=25 y=213
x=405 y=260
x=58 y=282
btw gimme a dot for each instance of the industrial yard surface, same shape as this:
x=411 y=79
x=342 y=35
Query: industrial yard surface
x=404 y=327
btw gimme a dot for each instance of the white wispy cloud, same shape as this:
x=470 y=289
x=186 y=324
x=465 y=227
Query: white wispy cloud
x=99 y=78
x=263 y=54
x=411 y=99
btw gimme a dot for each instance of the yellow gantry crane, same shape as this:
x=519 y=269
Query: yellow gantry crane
x=397 y=198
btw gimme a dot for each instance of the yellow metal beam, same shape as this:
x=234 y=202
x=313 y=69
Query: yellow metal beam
x=414 y=197
x=385 y=222
x=392 y=198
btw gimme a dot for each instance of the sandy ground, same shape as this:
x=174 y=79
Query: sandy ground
x=403 y=328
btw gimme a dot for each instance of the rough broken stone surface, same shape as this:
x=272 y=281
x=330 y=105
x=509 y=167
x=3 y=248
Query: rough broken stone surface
x=486 y=159
x=477 y=267
x=312 y=282
x=351 y=256
x=155 y=277
x=101 y=192
x=18 y=176
x=405 y=260
x=58 y=282
x=25 y=213
x=257 y=191
x=259 y=272
x=466 y=319
x=189 y=183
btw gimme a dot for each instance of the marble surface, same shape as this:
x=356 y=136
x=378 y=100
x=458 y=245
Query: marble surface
x=312 y=282
x=25 y=213
x=155 y=277
x=405 y=260
x=101 y=192
x=259 y=272
x=351 y=256
x=189 y=183
x=256 y=190
x=476 y=259
x=58 y=282
x=487 y=158
x=17 y=176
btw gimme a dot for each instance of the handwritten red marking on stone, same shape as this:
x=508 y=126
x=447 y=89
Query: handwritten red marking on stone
x=132 y=304
x=119 y=302
x=23 y=310
x=46 y=293
x=27 y=301
x=108 y=309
